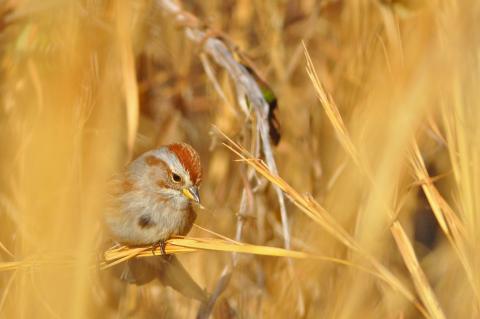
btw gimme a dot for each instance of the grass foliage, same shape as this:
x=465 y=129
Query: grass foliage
x=378 y=162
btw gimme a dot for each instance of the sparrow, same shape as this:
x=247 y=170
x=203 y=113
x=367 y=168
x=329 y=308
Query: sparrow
x=150 y=202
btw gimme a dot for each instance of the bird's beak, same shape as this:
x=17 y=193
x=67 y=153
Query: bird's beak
x=191 y=193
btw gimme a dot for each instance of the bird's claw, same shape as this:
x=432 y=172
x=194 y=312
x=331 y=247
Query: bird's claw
x=160 y=244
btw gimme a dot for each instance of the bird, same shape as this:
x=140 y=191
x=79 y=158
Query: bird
x=151 y=201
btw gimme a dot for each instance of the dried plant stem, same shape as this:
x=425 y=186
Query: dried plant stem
x=403 y=243
x=248 y=93
x=226 y=276
x=128 y=70
x=317 y=213
x=418 y=276
x=246 y=86
x=450 y=224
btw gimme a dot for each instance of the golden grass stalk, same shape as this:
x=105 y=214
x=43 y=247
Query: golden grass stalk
x=121 y=253
x=248 y=90
x=433 y=196
x=422 y=285
x=452 y=227
x=34 y=263
x=331 y=109
x=130 y=84
x=190 y=244
x=70 y=100
x=419 y=279
x=317 y=213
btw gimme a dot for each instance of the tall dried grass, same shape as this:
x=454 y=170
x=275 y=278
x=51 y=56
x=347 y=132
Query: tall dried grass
x=379 y=158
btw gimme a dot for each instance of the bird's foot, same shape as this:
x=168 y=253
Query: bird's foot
x=160 y=244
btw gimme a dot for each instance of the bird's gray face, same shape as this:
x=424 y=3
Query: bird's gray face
x=162 y=174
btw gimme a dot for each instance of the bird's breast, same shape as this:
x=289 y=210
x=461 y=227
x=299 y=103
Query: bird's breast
x=140 y=219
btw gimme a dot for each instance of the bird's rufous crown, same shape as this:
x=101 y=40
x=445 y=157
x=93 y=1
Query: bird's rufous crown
x=190 y=160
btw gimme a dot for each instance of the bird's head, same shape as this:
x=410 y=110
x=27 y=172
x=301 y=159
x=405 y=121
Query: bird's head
x=172 y=172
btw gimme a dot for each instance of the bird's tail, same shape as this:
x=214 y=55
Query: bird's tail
x=168 y=270
x=173 y=274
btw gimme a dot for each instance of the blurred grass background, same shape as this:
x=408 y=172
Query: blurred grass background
x=89 y=84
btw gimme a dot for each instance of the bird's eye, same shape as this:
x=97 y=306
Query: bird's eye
x=176 y=178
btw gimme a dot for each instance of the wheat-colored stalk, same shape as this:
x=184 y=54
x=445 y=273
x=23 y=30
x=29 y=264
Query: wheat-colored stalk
x=317 y=213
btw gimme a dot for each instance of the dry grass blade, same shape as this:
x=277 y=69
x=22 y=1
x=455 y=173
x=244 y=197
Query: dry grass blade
x=427 y=186
x=181 y=245
x=216 y=85
x=249 y=96
x=449 y=222
x=211 y=232
x=317 y=213
x=5 y=249
x=32 y=263
x=129 y=75
x=6 y=290
x=335 y=118
x=331 y=109
x=11 y=265
x=421 y=283
x=120 y=254
x=248 y=90
x=350 y=83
